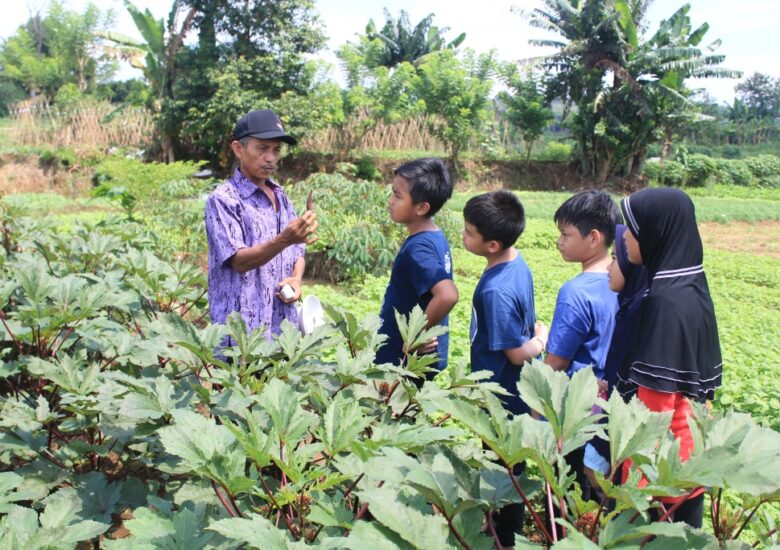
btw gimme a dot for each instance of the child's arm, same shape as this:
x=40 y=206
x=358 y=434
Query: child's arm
x=531 y=348
x=557 y=362
x=445 y=296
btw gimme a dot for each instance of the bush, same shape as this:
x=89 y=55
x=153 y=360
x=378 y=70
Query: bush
x=733 y=172
x=356 y=235
x=731 y=152
x=700 y=169
x=671 y=172
x=141 y=178
x=701 y=150
x=765 y=169
x=556 y=151
x=365 y=169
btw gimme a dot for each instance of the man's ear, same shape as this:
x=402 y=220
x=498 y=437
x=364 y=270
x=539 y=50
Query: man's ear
x=237 y=148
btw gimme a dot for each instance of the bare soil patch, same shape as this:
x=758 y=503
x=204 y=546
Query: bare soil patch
x=760 y=238
x=30 y=175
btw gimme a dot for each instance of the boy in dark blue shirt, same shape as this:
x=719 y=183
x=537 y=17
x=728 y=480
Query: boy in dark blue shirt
x=504 y=334
x=585 y=309
x=422 y=270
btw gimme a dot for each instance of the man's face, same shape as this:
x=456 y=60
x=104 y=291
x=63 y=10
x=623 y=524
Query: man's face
x=258 y=158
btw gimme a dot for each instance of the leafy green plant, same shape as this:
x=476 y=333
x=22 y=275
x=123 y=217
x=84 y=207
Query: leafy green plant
x=120 y=407
x=356 y=235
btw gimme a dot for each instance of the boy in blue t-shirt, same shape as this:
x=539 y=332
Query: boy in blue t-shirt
x=584 y=315
x=504 y=333
x=422 y=269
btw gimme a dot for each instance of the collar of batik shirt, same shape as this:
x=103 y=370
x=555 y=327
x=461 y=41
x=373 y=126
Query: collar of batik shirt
x=245 y=186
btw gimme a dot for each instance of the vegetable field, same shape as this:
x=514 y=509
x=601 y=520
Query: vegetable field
x=119 y=425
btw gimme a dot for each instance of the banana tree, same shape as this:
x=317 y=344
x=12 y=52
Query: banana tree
x=155 y=56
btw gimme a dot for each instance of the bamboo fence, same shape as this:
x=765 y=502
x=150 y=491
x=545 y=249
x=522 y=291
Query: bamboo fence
x=88 y=123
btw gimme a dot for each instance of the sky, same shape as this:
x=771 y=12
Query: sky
x=749 y=29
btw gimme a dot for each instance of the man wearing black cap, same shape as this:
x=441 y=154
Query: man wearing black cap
x=256 y=241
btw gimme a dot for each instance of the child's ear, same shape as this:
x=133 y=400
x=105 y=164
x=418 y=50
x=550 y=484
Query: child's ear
x=494 y=247
x=596 y=237
x=423 y=208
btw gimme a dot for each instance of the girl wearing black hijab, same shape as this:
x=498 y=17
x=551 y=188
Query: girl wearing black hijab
x=674 y=356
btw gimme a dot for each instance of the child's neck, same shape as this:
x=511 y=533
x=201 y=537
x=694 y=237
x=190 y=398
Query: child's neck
x=421 y=224
x=598 y=263
x=506 y=255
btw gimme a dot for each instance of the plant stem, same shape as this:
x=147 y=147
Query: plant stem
x=769 y=534
x=676 y=505
x=715 y=514
x=442 y=420
x=537 y=519
x=222 y=499
x=598 y=517
x=492 y=529
x=232 y=500
x=457 y=535
x=354 y=484
x=551 y=508
x=268 y=492
x=747 y=520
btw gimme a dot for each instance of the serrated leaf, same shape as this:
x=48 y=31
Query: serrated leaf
x=341 y=425
x=254 y=530
x=283 y=406
x=418 y=529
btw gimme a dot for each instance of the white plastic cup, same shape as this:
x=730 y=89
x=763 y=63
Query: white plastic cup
x=287 y=292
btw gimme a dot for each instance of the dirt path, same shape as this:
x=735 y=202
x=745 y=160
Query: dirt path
x=761 y=238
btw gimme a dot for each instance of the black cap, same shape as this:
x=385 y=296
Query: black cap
x=262 y=124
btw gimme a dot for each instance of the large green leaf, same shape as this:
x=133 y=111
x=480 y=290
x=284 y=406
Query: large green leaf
x=282 y=404
x=341 y=424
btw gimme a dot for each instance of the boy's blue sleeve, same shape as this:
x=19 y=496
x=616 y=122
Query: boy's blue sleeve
x=504 y=321
x=426 y=268
x=570 y=327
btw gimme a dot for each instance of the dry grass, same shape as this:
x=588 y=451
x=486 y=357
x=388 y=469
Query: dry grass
x=86 y=124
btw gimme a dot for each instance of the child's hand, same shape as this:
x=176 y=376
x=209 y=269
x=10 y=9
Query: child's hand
x=428 y=347
x=603 y=387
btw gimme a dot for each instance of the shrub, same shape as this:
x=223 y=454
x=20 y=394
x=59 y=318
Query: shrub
x=733 y=172
x=671 y=172
x=765 y=169
x=701 y=150
x=556 y=151
x=365 y=169
x=356 y=235
x=731 y=152
x=141 y=178
x=699 y=171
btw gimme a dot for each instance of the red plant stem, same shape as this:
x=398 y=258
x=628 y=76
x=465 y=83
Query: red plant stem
x=392 y=390
x=598 y=516
x=747 y=520
x=268 y=492
x=442 y=420
x=492 y=529
x=364 y=506
x=354 y=484
x=537 y=519
x=676 y=505
x=222 y=499
x=715 y=514
x=769 y=534
x=183 y=313
x=457 y=535
x=232 y=500
x=551 y=508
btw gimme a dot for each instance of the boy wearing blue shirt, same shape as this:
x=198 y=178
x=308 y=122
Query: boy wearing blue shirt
x=585 y=309
x=504 y=334
x=422 y=269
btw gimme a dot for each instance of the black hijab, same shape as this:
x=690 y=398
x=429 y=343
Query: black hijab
x=676 y=347
x=629 y=301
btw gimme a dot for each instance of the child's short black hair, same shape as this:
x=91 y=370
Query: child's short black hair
x=429 y=181
x=588 y=210
x=498 y=216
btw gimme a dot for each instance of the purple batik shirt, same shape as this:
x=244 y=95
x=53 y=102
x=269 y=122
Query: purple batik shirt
x=240 y=215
